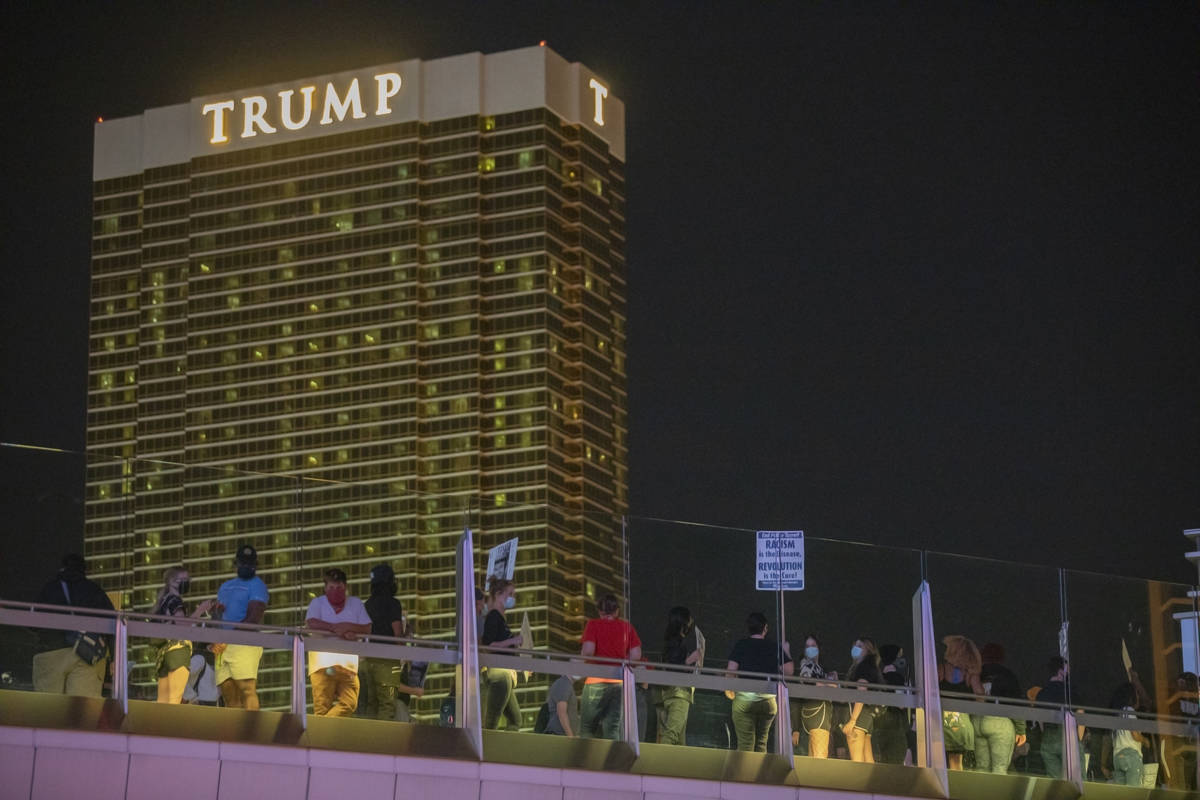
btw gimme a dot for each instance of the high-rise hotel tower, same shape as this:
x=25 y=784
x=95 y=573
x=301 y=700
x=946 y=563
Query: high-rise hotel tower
x=341 y=317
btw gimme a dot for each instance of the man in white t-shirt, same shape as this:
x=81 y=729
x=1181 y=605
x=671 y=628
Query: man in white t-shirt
x=334 y=676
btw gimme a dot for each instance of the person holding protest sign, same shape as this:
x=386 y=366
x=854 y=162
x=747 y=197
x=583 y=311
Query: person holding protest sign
x=500 y=684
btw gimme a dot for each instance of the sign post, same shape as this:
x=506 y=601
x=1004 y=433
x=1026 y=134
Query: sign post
x=779 y=568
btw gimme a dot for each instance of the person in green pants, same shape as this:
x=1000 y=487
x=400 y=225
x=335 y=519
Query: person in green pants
x=676 y=701
x=753 y=712
x=383 y=675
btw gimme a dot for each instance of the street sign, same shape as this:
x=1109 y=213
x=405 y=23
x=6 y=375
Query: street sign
x=779 y=565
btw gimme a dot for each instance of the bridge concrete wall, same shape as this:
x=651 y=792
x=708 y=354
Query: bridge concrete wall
x=44 y=764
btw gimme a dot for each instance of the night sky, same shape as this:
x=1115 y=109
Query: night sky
x=907 y=274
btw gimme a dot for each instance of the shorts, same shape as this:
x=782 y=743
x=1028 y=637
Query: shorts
x=816 y=716
x=178 y=656
x=239 y=661
x=866 y=719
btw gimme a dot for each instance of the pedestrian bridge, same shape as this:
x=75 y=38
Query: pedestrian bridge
x=55 y=746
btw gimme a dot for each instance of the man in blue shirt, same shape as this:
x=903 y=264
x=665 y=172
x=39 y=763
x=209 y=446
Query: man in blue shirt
x=241 y=599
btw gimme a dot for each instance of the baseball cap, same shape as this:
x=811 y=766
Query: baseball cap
x=247 y=555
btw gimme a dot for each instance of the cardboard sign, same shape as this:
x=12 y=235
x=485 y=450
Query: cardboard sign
x=502 y=560
x=779 y=565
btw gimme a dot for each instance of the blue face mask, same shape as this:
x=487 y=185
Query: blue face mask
x=956 y=675
x=856 y=652
x=811 y=653
x=510 y=601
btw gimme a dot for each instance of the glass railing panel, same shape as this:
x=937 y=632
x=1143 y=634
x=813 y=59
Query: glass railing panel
x=1007 y=616
x=708 y=570
x=1129 y=630
x=691 y=707
x=1133 y=635
x=1137 y=749
x=55 y=649
x=562 y=562
x=853 y=594
x=379 y=678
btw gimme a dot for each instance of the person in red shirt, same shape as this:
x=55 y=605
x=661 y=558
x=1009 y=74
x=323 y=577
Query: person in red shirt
x=608 y=637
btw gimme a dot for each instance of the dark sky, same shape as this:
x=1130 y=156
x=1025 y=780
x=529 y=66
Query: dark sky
x=910 y=274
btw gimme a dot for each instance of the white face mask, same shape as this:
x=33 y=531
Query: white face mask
x=510 y=601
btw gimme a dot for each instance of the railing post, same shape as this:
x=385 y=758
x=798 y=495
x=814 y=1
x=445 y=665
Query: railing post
x=299 y=674
x=931 y=747
x=783 y=723
x=629 y=717
x=1072 y=761
x=467 y=704
x=120 y=664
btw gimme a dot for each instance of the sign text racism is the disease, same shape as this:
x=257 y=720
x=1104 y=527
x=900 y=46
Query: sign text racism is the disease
x=779 y=565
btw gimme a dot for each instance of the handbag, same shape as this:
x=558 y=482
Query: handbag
x=90 y=647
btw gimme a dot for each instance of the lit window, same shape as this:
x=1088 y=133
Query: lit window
x=344 y=222
x=498 y=266
x=487 y=164
x=501 y=499
x=489 y=123
x=525 y=159
x=498 y=402
x=498 y=345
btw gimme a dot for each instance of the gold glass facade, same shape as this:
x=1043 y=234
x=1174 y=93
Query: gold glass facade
x=343 y=348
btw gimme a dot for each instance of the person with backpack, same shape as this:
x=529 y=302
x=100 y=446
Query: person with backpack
x=561 y=710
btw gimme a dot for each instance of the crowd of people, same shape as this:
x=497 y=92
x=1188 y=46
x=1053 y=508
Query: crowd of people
x=227 y=673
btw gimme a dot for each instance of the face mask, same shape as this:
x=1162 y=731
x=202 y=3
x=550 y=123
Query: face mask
x=245 y=572
x=956 y=675
x=510 y=601
x=336 y=595
x=856 y=652
x=901 y=665
x=184 y=585
x=811 y=653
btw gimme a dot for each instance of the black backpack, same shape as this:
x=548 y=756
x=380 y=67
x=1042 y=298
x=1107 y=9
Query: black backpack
x=543 y=718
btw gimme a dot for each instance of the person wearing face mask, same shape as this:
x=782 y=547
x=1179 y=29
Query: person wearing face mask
x=863 y=669
x=173 y=656
x=241 y=599
x=675 y=701
x=61 y=668
x=500 y=696
x=960 y=673
x=334 y=676
x=384 y=676
x=816 y=716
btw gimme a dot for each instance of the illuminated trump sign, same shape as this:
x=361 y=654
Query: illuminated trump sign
x=295 y=109
x=395 y=93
